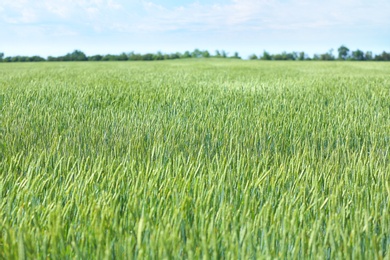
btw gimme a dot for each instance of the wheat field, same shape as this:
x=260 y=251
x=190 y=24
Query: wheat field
x=209 y=158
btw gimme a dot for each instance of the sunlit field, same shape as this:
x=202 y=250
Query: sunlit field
x=195 y=159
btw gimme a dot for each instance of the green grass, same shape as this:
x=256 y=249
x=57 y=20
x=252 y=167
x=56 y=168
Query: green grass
x=195 y=159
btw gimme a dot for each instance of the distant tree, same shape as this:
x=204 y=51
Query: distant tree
x=236 y=56
x=368 y=55
x=158 y=56
x=19 y=59
x=205 y=54
x=130 y=54
x=176 y=55
x=77 y=56
x=277 y=57
x=301 y=56
x=343 y=52
x=51 y=58
x=316 y=57
x=284 y=56
x=123 y=56
x=1 y=56
x=327 y=56
x=358 y=55
x=196 y=53
x=386 y=56
x=186 y=54
x=36 y=59
x=290 y=56
x=95 y=58
x=147 y=56
x=383 y=57
x=74 y=56
x=266 y=56
x=135 y=56
x=109 y=57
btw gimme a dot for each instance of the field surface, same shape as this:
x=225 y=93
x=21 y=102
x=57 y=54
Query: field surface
x=195 y=159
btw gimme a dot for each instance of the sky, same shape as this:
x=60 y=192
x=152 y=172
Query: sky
x=57 y=27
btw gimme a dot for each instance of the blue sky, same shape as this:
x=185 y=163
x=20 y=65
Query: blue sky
x=56 y=27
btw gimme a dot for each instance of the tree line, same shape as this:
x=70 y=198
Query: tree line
x=343 y=53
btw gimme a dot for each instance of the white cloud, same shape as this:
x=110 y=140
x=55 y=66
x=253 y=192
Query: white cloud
x=198 y=22
x=113 y=5
x=23 y=11
x=235 y=15
x=59 y=7
x=262 y=14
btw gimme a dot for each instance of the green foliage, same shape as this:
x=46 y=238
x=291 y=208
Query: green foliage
x=206 y=54
x=358 y=55
x=95 y=58
x=385 y=56
x=132 y=56
x=196 y=53
x=23 y=59
x=186 y=55
x=343 y=52
x=302 y=56
x=327 y=56
x=188 y=160
x=368 y=55
x=76 y=55
x=266 y=56
x=316 y=57
x=285 y=56
x=236 y=55
x=158 y=56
